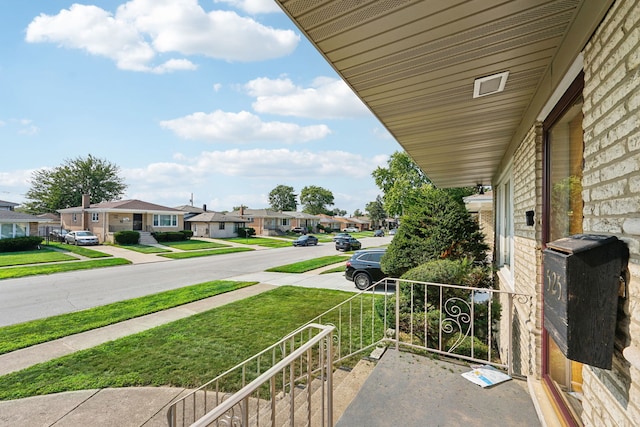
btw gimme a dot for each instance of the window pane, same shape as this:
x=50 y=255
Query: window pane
x=567 y=148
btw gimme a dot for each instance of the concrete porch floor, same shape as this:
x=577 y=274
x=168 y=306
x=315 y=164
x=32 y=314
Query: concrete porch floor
x=413 y=391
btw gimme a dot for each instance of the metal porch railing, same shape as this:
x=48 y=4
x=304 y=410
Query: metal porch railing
x=291 y=379
x=449 y=320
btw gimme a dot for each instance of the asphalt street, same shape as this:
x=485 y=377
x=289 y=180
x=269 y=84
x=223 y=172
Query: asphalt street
x=37 y=297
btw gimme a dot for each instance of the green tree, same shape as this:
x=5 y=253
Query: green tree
x=282 y=198
x=437 y=228
x=63 y=186
x=375 y=211
x=338 y=212
x=357 y=213
x=401 y=183
x=315 y=200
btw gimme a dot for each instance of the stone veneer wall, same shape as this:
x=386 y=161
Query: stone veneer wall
x=611 y=192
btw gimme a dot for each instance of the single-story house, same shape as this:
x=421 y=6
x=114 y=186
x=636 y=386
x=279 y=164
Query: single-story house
x=105 y=219
x=265 y=222
x=303 y=219
x=480 y=206
x=18 y=224
x=215 y=224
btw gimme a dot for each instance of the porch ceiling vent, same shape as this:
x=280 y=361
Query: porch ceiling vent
x=490 y=84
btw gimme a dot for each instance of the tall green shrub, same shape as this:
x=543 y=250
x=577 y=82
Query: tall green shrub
x=439 y=227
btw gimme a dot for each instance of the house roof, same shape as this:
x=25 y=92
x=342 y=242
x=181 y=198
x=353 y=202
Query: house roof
x=216 y=217
x=478 y=201
x=7 y=216
x=5 y=204
x=300 y=215
x=190 y=209
x=260 y=213
x=133 y=205
x=415 y=63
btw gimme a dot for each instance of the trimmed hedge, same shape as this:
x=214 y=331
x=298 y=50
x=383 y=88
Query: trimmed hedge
x=127 y=237
x=172 y=236
x=18 y=244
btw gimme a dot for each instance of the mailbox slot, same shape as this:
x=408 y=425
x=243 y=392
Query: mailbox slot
x=581 y=282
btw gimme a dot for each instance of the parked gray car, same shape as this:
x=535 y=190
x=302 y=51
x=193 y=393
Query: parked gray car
x=82 y=237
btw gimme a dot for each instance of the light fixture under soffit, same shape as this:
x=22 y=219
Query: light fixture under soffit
x=489 y=85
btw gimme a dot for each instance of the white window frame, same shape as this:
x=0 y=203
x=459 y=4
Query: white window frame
x=157 y=223
x=221 y=226
x=95 y=217
x=505 y=227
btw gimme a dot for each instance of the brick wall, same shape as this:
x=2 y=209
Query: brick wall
x=527 y=327
x=611 y=192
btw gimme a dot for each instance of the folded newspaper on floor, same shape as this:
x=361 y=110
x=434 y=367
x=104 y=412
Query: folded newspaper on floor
x=486 y=375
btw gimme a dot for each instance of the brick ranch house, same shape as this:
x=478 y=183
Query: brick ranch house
x=541 y=101
x=105 y=219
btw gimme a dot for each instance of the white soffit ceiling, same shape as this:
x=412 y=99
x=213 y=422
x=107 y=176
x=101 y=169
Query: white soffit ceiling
x=414 y=63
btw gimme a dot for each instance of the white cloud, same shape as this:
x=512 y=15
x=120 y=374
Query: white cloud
x=140 y=30
x=327 y=98
x=221 y=126
x=245 y=174
x=217 y=87
x=253 y=6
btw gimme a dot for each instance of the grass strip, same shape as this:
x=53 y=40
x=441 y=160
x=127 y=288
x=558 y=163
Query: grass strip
x=182 y=255
x=193 y=245
x=143 y=249
x=33 y=270
x=339 y=269
x=308 y=265
x=261 y=241
x=34 y=332
x=185 y=353
x=79 y=250
x=37 y=256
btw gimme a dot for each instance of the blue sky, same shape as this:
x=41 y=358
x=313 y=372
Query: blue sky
x=222 y=99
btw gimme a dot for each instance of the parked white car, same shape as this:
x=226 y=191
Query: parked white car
x=82 y=237
x=351 y=230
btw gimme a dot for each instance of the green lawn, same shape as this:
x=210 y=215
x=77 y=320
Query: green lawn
x=144 y=249
x=308 y=265
x=37 y=256
x=261 y=241
x=195 y=254
x=193 y=244
x=184 y=353
x=26 y=334
x=80 y=250
x=339 y=269
x=15 y=272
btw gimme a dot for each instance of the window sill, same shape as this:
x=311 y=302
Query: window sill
x=506 y=279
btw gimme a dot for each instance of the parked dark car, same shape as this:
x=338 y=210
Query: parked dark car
x=363 y=269
x=341 y=236
x=306 y=240
x=348 y=244
x=81 y=237
x=378 y=233
x=57 y=234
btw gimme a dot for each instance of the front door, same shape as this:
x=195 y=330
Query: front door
x=137 y=222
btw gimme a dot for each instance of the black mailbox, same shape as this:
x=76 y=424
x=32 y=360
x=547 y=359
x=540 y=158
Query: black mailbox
x=581 y=283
